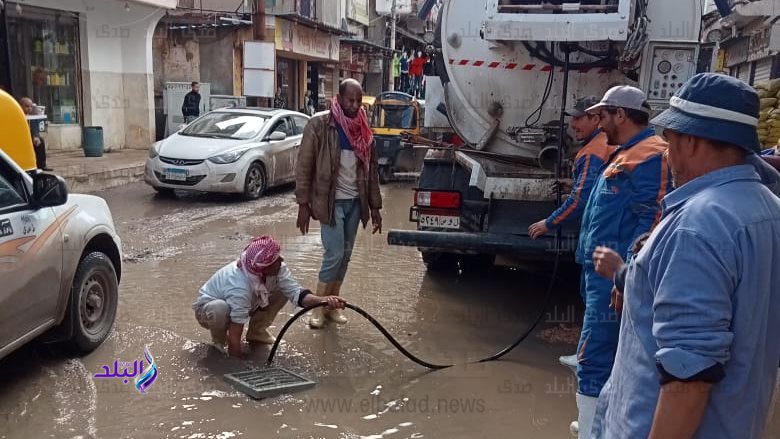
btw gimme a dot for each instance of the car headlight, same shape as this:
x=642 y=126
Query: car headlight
x=228 y=157
x=153 y=150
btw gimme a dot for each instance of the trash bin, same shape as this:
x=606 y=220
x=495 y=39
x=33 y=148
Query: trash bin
x=93 y=141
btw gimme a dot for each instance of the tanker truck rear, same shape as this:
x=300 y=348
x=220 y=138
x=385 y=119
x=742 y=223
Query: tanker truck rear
x=501 y=70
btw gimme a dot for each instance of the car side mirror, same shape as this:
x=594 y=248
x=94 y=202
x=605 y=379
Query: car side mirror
x=277 y=136
x=49 y=190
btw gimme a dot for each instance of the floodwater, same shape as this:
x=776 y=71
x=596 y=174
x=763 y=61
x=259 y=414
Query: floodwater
x=365 y=388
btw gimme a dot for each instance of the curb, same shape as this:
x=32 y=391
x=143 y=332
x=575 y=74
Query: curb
x=86 y=175
x=99 y=181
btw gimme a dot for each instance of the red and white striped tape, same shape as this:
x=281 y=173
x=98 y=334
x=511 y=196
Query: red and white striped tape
x=515 y=66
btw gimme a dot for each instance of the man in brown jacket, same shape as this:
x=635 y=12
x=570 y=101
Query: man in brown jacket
x=337 y=183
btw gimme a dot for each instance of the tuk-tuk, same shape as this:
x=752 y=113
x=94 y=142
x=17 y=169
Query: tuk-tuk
x=17 y=142
x=368 y=104
x=393 y=114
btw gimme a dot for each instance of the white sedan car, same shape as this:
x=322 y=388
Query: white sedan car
x=230 y=150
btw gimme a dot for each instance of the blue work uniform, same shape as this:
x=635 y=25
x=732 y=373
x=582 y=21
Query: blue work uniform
x=624 y=204
x=587 y=164
x=702 y=291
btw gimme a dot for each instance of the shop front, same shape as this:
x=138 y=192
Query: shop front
x=306 y=52
x=84 y=63
x=323 y=80
x=353 y=64
x=752 y=55
x=45 y=45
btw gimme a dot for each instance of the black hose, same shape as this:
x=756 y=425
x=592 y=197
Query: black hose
x=542 y=53
x=559 y=161
x=545 y=95
x=368 y=317
x=551 y=285
x=594 y=53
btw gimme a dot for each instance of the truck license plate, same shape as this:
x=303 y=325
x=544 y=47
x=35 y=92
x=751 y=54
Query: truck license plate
x=176 y=174
x=440 y=221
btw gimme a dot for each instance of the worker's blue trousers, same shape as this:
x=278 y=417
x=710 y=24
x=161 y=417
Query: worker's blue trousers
x=598 y=340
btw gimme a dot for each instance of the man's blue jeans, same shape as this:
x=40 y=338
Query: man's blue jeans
x=339 y=239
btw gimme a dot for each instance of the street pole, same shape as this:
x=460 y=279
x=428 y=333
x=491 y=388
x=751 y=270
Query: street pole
x=391 y=85
x=259 y=20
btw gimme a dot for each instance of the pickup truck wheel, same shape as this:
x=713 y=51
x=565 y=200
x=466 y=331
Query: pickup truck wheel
x=435 y=261
x=93 y=302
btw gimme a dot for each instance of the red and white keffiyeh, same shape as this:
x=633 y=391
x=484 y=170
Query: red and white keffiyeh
x=358 y=131
x=261 y=253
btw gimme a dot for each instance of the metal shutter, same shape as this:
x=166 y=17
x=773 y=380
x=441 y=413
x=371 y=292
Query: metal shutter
x=763 y=70
x=743 y=72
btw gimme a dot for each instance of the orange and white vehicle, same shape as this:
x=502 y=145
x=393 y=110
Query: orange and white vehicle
x=60 y=255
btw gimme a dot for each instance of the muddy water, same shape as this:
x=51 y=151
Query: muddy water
x=365 y=388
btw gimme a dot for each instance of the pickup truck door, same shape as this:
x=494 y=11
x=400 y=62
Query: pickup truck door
x=31 y=251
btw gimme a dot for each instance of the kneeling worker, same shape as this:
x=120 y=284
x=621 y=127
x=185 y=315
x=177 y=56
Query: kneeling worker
x=253 y=289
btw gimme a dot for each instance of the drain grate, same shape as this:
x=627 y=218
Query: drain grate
x=264 y=383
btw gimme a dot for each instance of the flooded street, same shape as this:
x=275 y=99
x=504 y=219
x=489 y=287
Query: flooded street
x=365 y=387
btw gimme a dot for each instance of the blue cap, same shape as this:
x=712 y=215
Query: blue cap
x=715 y=107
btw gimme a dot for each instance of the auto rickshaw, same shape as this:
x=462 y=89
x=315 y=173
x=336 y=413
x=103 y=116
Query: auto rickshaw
x=393 y=114
x=368 y=104
x=15 y=127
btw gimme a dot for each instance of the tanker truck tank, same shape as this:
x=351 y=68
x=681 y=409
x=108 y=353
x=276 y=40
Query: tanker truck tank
x=501 y=68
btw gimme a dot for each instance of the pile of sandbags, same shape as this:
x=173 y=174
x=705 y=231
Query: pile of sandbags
x=769 y=117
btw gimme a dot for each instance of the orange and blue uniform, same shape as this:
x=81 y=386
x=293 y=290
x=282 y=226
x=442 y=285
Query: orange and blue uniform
x=587 y=164
x=624 y=204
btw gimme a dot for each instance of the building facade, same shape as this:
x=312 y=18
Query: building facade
x=748 y=40
x=88 y=62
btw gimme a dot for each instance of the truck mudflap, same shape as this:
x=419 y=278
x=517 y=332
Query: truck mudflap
x=487 y=243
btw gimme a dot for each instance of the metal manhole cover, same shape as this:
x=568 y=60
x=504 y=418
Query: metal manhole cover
x=265 y=383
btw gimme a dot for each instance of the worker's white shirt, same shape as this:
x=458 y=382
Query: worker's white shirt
x=234 y=286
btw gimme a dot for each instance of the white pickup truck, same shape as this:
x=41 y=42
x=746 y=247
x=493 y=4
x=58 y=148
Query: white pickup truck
x=60 y=255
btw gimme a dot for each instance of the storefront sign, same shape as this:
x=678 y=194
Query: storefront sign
x=345 y=54
x=764 y=42
x=737 y=52
x=758 y=47
x=358 y=10
x=302 y=40
x=359 y=63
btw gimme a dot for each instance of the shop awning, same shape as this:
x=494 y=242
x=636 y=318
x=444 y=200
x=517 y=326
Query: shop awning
x=369 y=47
x=306 y=21
x=190 y=21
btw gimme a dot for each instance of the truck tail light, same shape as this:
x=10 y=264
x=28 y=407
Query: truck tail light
x=437 y=199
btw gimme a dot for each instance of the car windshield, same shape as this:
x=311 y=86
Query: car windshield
x=226 y=125
x=394 y=116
